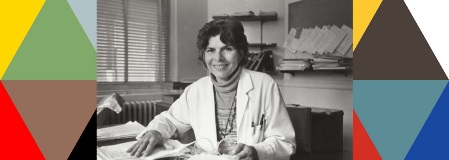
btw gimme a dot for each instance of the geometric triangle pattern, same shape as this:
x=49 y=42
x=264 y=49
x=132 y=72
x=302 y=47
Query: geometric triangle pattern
x=393 y=47
x=433 y=140
x=86 y=13
x=407 y=41
x=363 y=12
x=44 y=43
x=16 y=17
x=87 y=143
x=55 y=48
x=16 y=140
x=393 y=112
x=363 y=146
x=431 y=17
x=57 y=118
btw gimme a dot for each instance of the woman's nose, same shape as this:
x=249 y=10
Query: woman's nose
x=218 y=55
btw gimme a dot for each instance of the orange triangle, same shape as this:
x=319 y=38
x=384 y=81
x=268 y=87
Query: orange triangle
x=16 y=140
x=363 y=147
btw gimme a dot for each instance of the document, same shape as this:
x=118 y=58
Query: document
x=302 y=38
x=347 y=41
x=128 y=130
x=118 y=151
x=288 y=44
x=336 y=39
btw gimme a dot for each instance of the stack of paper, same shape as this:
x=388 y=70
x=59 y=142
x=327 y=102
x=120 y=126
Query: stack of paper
x=329 y=64
x=118 y=151
x=293 y=65
x=325 y=40
x=128 y=130
x=268 y=13
x=247 y=13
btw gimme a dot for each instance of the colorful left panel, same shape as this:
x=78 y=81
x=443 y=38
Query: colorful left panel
x=48 y=78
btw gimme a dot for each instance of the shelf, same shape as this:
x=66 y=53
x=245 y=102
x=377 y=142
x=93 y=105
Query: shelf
x=262 y=45
x=344 y=71
x=249 y=18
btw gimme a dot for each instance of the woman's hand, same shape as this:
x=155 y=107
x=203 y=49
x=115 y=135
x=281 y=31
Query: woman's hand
x=245 y=152
x=146 y=144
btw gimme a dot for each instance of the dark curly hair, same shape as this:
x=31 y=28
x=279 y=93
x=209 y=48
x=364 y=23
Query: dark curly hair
x=231 y=33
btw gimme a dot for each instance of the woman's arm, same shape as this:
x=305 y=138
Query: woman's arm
x=163 y=126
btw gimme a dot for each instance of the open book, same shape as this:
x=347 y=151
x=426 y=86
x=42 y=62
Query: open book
x=118 y=151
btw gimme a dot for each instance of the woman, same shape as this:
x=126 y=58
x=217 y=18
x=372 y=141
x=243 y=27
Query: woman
x=231 y=103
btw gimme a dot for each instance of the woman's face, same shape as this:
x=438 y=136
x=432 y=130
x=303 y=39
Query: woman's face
x=221 y=59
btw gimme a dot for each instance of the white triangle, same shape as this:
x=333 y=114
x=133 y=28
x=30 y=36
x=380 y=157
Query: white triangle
x=432 y=17
x=86 y=13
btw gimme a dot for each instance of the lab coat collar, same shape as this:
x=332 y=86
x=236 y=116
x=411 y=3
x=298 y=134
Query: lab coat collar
x=245 y=85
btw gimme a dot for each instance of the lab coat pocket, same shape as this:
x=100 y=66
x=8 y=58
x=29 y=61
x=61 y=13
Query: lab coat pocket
x=257 y=134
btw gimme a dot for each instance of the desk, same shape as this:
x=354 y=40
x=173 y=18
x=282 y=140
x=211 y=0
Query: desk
x=120 y=141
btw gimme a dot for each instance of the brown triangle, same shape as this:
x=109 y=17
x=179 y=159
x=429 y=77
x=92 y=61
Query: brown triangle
x=55 y=112
x=393 y=47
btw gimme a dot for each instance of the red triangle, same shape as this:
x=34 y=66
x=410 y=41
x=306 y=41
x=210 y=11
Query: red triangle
x=15 y=138
x=363 y=147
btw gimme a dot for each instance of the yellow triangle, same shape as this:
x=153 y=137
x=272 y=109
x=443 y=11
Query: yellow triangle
x=363 y=12
x=16 y=18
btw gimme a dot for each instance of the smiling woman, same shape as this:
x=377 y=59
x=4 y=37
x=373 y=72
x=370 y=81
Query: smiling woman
x=231 y=104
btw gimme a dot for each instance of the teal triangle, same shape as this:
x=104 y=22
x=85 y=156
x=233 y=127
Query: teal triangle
x=55 y=48
x=394 y=111
x=86 y=12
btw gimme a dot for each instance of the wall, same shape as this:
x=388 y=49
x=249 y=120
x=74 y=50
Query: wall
x=186 y=18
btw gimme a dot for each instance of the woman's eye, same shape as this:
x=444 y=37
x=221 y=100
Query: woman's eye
x=209 y=51
x=228 y=49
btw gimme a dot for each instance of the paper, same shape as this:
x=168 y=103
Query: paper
x=308 y=45
x=347 y=41
x=288 y=44
x=128 y=130
x=337 y=39
x=118 y=151
x=302 y=38
x=323 y=41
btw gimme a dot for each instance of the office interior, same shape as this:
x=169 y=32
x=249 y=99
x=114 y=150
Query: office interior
x=328 y=90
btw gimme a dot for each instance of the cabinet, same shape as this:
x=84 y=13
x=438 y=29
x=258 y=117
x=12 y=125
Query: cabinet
x=262 y=61
x=319 y=133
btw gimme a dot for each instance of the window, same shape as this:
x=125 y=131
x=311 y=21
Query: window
x=132 y=40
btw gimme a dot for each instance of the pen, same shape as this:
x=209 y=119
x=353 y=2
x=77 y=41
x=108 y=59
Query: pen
x=261 y=121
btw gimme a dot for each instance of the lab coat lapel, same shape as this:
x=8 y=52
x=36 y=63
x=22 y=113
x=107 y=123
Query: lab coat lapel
x=244 y=86
x=209 y=122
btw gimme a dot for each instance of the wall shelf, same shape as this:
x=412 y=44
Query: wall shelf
x=344 y=71
x=250 y=18
x=263 y=45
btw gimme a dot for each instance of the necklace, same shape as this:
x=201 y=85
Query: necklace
x=230 y=120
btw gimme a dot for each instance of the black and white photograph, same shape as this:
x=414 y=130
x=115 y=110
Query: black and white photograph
x=224 y=79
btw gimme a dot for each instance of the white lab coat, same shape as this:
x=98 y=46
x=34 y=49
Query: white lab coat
x=257 y=94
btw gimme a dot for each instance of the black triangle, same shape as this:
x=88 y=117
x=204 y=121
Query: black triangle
x=87 y=143
x=393 y=47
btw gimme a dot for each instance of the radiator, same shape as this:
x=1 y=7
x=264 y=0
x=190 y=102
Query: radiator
x=140 y=111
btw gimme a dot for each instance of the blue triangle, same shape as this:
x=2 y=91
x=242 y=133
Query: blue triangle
x=433 y=139
x=86 y=13
x=394 y=111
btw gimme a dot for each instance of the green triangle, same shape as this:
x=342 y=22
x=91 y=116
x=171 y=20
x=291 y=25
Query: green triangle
x=55 y=48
